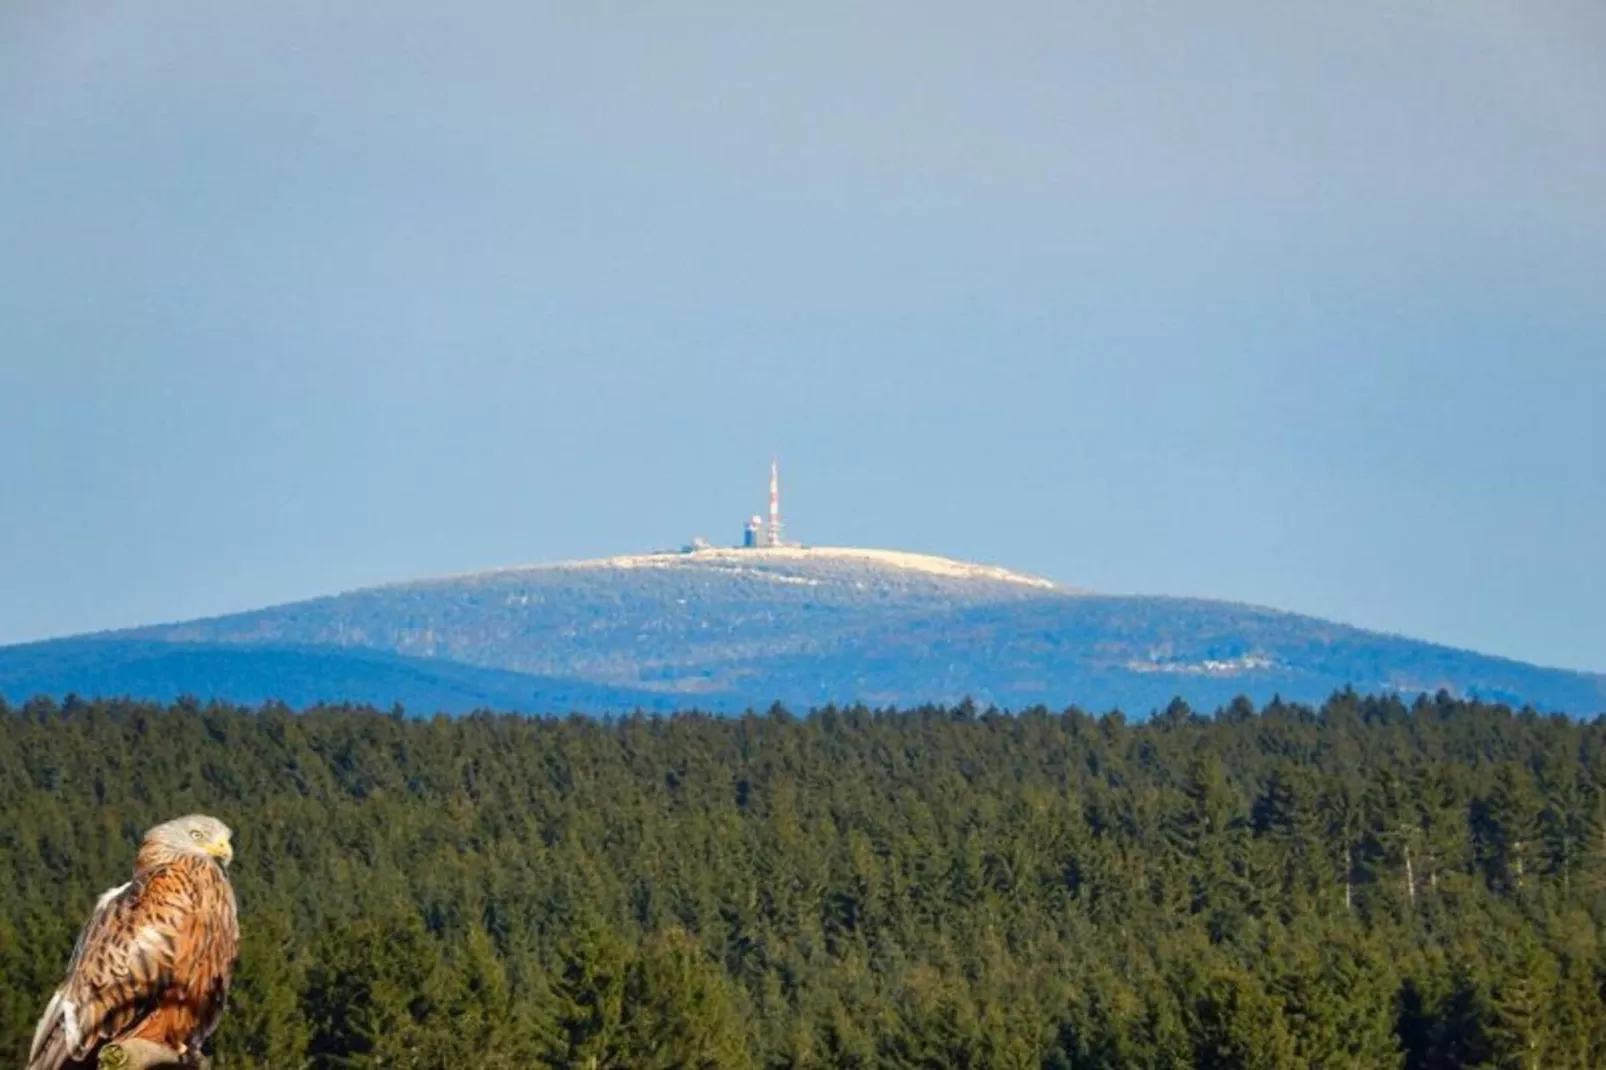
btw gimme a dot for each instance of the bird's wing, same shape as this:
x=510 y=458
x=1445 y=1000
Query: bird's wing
x=123 y=961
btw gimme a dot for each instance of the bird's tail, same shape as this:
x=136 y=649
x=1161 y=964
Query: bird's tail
x=51 y=1048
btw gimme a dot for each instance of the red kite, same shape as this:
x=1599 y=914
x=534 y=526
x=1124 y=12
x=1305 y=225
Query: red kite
x=154 y=962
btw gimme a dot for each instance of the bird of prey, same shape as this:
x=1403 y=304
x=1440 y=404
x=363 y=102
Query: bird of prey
x=151 y=968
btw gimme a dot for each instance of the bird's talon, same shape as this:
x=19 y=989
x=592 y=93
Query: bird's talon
x=113 y=1057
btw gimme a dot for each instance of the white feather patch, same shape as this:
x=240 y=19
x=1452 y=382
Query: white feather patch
x=69 y=1023
x=109 y=895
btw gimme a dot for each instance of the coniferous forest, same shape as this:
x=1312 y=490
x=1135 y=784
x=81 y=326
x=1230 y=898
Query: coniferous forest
x=1369 y=884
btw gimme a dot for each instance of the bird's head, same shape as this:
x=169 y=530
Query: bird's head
x=196 y=834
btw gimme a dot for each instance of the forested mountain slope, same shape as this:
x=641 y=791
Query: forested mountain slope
x=728 y=630
x=1368 y=884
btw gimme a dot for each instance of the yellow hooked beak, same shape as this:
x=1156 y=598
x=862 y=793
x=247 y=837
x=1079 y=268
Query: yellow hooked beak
x=222 y=850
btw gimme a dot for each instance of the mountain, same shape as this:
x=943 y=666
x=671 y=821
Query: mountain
x=299 y=676
x=730 y=629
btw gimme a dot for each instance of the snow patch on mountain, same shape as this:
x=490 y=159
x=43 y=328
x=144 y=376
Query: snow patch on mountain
x=743 y=560
x=1244 y=663
x=800 y=566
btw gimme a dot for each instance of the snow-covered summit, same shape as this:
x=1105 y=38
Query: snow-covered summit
x=790 y=565
x=776 y=558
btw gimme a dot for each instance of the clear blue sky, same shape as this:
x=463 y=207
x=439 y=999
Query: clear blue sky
x=1292 y=303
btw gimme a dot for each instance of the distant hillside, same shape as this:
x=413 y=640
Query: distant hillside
x=729 y=629
x=298 y=676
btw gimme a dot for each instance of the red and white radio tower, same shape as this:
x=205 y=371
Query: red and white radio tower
x=774 y=536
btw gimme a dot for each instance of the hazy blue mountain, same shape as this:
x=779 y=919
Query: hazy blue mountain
x=300 y=676
x=729 y=629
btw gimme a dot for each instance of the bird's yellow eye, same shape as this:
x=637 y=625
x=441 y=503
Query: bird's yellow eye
x=197 y=835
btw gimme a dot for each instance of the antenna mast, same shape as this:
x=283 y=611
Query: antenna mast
x=774 y=538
